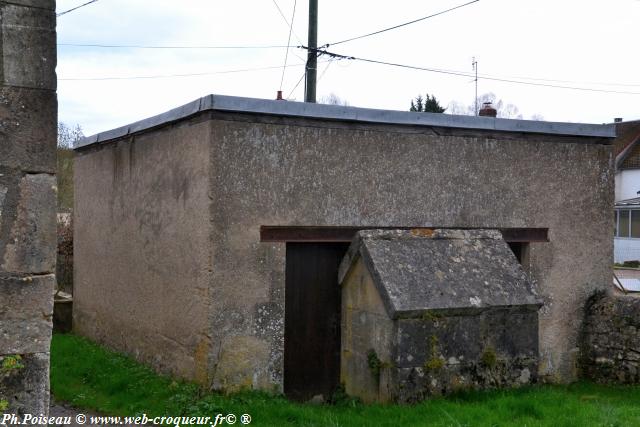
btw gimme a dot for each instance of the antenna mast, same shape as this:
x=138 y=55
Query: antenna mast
x=474 y=64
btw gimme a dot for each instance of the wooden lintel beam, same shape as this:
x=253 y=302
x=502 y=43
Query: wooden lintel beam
x=278 y=233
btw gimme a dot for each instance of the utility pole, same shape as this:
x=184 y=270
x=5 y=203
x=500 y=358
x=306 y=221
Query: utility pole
x=312 y=53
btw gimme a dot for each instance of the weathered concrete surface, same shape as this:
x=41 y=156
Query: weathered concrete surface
x=427 y=312
x=278 y=170
x=366 y=327
x=28 y=116
x=329 y=174
x=611 y=342
x=142 y=248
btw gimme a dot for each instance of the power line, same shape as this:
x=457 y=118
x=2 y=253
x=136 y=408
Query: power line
x=132 y=46
x=75 y=8
x=497 y=78
x=329 y=62
x=290 y=25
x=110 y=46
x=162 y=76
x=569 y=81
x=466 y=74
x=297 y=84
x=325 y=69
x=399 y=25
x=286 y=55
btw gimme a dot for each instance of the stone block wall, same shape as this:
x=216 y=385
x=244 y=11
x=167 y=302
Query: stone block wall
x=439 y=354
x=611 y=339
x=28 y=116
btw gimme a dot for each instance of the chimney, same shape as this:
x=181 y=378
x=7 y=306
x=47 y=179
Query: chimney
x=487 y=110
x=617 y=120
x=279 y=96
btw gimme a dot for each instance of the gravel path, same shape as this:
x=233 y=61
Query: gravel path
x=60 y=409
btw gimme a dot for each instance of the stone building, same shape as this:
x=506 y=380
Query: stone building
x=28 y=116
x=431 y=311
x=207 y=239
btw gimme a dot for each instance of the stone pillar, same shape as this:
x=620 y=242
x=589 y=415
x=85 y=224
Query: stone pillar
x=28 y=126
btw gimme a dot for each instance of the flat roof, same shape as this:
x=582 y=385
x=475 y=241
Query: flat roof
x=350 y=114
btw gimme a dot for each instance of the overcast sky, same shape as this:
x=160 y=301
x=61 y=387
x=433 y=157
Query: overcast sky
x=589 y=44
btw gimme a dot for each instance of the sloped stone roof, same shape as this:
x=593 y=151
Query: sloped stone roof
x=444 y=270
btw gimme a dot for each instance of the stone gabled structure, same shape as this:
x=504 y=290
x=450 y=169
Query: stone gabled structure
x=426 y=312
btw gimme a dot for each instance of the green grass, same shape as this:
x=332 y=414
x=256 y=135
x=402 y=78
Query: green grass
x=90 y=377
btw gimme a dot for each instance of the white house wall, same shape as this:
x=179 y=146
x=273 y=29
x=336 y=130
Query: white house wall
x=627 y=184
x=626 y=249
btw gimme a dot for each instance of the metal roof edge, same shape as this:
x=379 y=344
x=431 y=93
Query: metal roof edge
x=355 y=114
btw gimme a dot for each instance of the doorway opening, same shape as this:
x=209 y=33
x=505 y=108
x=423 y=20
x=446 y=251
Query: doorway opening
x=312 y=319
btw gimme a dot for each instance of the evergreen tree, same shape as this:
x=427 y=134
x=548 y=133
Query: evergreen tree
x=426 y=105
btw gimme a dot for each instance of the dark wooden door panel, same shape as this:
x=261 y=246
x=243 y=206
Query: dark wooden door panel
x=312 y=319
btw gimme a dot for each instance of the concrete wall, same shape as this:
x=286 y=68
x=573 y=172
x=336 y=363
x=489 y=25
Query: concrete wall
x=28 y=115
x=142 y=247
x=368 y=336
x=279 y=171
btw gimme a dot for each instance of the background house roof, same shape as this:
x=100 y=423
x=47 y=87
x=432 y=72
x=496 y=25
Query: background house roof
x=629 y=202
x=626 y=133
x=630 y=159
x=625 y=146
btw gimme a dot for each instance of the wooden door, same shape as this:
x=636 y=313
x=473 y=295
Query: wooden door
x=312 y=319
